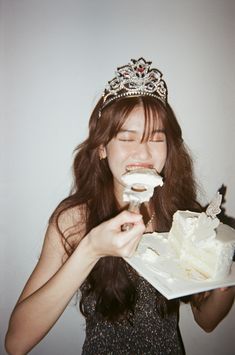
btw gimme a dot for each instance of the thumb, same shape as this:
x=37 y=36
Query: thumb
x=126 y=217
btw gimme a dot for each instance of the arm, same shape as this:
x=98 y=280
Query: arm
x=213 y=308
x=53 y=283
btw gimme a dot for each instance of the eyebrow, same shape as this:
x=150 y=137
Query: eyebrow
x=161 y=130
x=122 y=130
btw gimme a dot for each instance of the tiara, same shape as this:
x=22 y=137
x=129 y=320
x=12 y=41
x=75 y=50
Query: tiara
x=135 y=79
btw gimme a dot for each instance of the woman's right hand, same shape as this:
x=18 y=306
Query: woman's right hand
x=107 y=239
x=53 y=283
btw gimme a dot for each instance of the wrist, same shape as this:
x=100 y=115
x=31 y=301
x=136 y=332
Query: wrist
x=85 y=246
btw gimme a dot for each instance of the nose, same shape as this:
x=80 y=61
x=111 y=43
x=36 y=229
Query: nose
x=142 y=151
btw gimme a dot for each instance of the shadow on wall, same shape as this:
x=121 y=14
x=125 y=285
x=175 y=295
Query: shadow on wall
x=224 y=218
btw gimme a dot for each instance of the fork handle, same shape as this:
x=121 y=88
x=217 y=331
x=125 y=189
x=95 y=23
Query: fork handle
x=133 y=207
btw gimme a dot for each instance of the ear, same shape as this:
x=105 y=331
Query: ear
x=102 y=152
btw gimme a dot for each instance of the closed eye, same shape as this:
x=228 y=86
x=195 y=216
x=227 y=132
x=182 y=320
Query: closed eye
x=126 y=136
x=158 y=137
x=125 y=140
x=157 y=140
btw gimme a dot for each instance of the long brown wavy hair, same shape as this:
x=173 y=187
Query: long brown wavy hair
x=110 y=281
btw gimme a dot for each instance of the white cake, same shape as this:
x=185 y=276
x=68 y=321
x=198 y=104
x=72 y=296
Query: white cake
x=140 y=184
x=203 y=243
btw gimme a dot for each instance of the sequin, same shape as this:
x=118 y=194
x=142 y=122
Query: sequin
x=147 y=334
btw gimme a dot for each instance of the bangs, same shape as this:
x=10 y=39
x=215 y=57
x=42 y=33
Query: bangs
x=154 y=115
x=153 y=109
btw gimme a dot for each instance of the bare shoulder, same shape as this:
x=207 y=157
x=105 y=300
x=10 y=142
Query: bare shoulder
x=64 y=233
x=72 y=225
x=71 y=217
x=68 y=228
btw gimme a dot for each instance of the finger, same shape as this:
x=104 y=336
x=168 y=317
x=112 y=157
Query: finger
x=136 y=231
x=128 y=249
x=134 y=246
x=126 y=217
x=222 y=289
x=129 y=240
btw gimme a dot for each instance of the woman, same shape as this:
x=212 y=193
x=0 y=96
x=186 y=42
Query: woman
x=132 y=126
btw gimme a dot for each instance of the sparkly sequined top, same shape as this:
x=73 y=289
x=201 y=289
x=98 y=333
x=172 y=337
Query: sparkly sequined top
x=147 y=334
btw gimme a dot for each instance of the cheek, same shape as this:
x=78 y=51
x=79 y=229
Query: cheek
x=116 y=153
x=160 y=158
x=114 y=157
x=165 y=153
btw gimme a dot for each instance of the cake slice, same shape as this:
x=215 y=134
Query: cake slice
x=203 y=243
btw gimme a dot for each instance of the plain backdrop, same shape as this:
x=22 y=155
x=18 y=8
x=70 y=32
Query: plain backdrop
x=56 y=57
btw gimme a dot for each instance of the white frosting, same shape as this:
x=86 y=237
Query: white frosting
x=144 y=179
x=147 y=178
x=203 y=243
x=139 y=196
x=150 y=255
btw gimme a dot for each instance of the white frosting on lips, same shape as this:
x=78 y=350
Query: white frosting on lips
x=142 y=179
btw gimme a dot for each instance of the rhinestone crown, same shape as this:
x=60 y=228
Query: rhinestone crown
x=135 y=79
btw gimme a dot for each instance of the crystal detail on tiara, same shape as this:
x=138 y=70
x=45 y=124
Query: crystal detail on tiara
x=134 y=79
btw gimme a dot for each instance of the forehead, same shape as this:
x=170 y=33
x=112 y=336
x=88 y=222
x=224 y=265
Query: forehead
x=142 y=119
x=135 y=118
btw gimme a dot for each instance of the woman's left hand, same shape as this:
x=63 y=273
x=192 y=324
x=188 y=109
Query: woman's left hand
x=214 y=305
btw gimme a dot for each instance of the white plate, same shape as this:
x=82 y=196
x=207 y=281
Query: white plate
x=167 y=274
